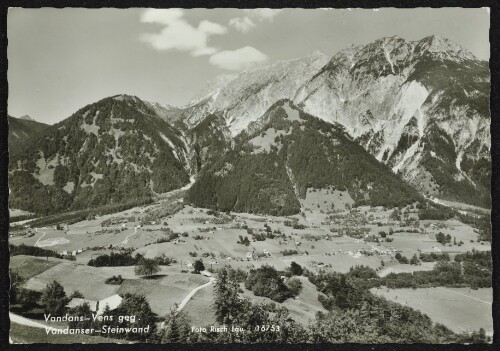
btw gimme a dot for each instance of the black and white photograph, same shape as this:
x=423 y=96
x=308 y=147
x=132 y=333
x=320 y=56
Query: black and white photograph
x=249 y=176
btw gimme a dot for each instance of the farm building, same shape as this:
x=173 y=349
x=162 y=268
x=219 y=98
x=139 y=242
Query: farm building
x=112 y=302
x=97 y=306
x=75 y=302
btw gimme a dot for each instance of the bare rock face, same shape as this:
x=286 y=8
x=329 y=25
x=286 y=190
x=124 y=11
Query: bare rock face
x=245 y=97
x=391 y=96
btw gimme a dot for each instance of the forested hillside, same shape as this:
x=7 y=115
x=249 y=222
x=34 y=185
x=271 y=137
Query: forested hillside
x=21 y=130
x=108 y=152
x=286 y=152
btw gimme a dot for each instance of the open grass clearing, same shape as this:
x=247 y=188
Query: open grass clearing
x=460 y=309
x=199 y=308
x=29 y=266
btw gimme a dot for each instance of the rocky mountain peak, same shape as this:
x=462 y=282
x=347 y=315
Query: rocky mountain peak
x=444 y=48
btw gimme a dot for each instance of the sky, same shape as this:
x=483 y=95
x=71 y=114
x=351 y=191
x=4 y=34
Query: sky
x=63 y=59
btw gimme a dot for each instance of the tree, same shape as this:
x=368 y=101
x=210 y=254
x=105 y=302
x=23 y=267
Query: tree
x=146 y=267
x=15 y=285
x=177 y=328
x=395 y=215
x=77 y=294
x=414 y=260
x=82 y=311
x=198 y=266
x=54 y=298
x=266 y=281
x=441 y=238
x=296 y=268
x=294 y=285
x=138 y=306
x=28 y=298
x=227 y=303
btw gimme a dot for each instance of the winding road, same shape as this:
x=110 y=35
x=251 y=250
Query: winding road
x=125 y=241
x=40 y=238
x=188 y=297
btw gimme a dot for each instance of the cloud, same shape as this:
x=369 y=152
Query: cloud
x=247 y=23
x=264 y=14
x=239 y=59
x=178 y=34
x=211 y=27
x=242 y=24
x=165 y=16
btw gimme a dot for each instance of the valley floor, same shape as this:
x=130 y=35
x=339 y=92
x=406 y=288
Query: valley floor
x=322 y=239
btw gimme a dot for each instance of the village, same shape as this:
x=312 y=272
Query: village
x=386 y=240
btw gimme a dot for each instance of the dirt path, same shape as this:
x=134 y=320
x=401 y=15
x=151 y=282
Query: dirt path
x=188 y=297
x=28 y=322
x=125 y=241
x=40 y=238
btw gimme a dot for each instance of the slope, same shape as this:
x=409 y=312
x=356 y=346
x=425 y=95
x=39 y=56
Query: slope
x=113 y=151
x=284 y=153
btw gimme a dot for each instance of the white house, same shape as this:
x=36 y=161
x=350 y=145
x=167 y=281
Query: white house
x=112 y=302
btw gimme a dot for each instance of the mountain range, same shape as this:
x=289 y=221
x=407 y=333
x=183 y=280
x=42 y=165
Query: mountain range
x=22 y=129
x=388 y=122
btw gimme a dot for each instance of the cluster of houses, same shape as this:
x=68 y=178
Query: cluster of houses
x=72 y=253
x=112 y=302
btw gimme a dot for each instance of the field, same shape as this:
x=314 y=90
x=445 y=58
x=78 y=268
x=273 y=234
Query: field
x=168 y=288
x=27 y=266
x=16 y=212
x=162 y=293
x=405 y=268
x=460 y=309
x=199 y=308
x=327 y=236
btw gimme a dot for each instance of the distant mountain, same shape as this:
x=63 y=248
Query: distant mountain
x=377 y=121
x=244 y=97
x=23 y=129
x=394 y=96
x=116 y=150
x=401 y=100
x=285 y=152
x=170 y=114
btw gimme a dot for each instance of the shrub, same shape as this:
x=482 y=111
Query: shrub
x=294 y=285
x=114 y=280
x=296 y=269
x=266 y=281
x=289 y=252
